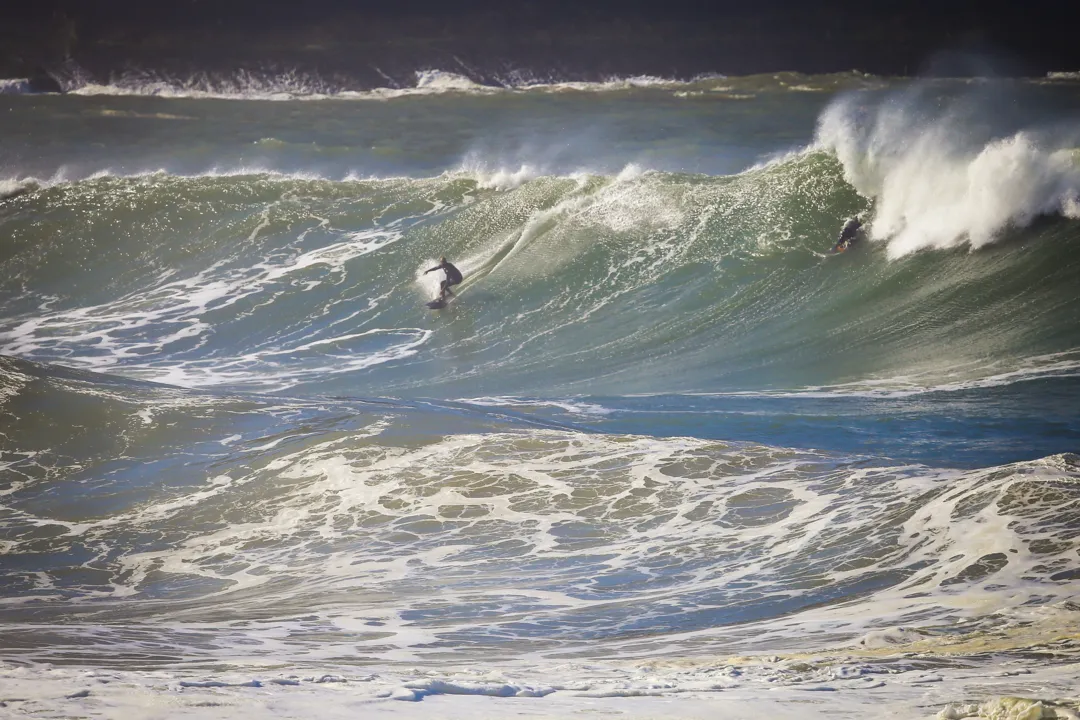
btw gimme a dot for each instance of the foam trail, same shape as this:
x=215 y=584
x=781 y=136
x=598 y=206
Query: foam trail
x=939 y=181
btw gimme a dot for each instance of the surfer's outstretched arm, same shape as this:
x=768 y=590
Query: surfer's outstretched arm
x=441 y=266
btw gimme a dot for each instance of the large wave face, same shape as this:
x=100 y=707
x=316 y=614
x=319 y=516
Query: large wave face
x=641 y=282
x=657 y=242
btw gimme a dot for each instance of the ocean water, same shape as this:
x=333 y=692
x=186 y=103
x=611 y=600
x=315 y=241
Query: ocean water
x=663 y=446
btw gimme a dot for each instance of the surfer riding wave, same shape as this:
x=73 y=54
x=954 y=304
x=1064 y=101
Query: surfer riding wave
x=453 y=277
x=849 y=234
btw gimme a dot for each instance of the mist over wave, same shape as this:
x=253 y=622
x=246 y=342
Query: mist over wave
x=949 y=169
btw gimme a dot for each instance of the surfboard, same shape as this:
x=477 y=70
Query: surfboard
x=438 y=304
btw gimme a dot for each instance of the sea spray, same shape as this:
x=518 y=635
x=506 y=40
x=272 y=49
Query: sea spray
x=940 y=176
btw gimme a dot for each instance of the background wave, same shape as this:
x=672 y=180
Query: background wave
x=301 y=85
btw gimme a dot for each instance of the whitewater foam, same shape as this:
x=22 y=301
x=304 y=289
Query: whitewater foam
x=499 y=178
x=290 y=85
x=14 y=86
x=936 y=182
x=722 y=689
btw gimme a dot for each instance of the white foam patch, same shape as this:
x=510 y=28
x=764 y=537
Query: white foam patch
x=681 y=688
x=499 y=178
x=14 y=86
x=66 y=176
x=612 y=84
x=649 y=562
x=442 y=81
x=289 y=86
x=890 y=637
x=518 y=544
x=11 y=187
x=266 y=370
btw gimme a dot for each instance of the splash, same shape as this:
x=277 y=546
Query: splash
x=14 y=86
x=500 y=177
x=442 y=81
x=241 y=84
x=943 y=178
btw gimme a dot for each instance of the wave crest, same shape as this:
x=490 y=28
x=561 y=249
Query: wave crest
x=945 y=178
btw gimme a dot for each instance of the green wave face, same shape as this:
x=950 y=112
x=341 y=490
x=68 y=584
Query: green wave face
x=641 y=282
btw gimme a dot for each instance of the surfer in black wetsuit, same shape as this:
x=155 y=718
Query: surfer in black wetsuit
x=453 y=277
x=847 y=235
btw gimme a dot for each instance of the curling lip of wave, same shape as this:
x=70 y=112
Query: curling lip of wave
x=935 y=187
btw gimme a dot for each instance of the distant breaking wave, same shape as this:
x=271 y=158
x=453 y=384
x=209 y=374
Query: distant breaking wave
x=294 y=85
x=14 y=86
